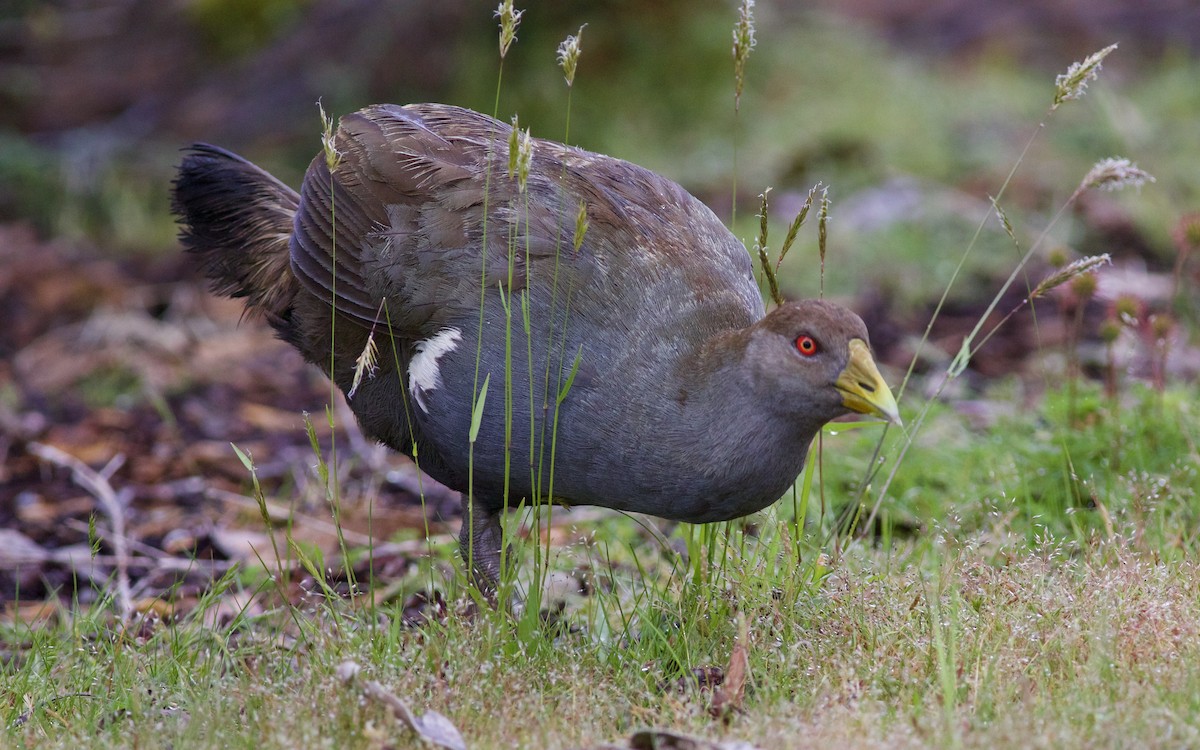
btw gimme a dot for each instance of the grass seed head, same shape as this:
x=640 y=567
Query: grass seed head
x=364 y=364
x=568 y=55
x=524 y=158
x=514 y=136
x=1073 y=83
x=1114 y=173
x=823 y=224
x=1071 y=272
x=743 y=45
x=520 y=154
x=510 y=19
x=1004 y=222
x=328 y=139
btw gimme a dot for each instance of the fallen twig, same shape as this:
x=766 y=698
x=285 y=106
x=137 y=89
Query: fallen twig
x=431 y=727
x=98 y=485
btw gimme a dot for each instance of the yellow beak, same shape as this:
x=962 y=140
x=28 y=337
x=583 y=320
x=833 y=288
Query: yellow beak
x=862 y=387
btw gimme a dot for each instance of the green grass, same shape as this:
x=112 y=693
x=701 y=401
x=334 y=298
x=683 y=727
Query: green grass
x=1052 y=473
x=1016 y=615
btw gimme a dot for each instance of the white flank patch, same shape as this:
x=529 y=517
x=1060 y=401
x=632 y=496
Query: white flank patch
x=423 y=375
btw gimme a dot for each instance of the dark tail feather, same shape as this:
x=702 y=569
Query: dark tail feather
x=237 y=220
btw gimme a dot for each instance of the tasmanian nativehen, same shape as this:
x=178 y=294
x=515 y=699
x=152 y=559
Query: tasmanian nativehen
x=615 y=321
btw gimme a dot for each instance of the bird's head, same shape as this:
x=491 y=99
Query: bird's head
x=814 y=358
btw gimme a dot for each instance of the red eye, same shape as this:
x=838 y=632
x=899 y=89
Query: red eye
x=806 y=345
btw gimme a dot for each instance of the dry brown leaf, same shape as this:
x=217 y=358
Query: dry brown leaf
x=730 y=696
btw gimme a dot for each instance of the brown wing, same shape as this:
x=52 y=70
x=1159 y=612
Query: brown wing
x=404 y=213
x=380 y=162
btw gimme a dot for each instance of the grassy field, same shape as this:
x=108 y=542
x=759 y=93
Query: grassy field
x=1046 y=597
x=1017 y=568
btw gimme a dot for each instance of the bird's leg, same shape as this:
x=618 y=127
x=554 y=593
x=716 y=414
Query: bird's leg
x=481 y=540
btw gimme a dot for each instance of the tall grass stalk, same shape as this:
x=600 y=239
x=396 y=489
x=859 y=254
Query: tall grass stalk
x=567 y=56
x=520 y=155
x=818 y=195
x=509 y=20
x=1107 y=174
x=743 y=44
x=333 y=158
x=282 y=575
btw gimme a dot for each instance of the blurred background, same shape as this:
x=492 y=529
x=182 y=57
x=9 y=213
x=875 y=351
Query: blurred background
x=913 y=112
x=98 y=96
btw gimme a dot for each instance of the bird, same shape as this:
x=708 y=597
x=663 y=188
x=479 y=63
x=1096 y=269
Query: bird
x=538 y=323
